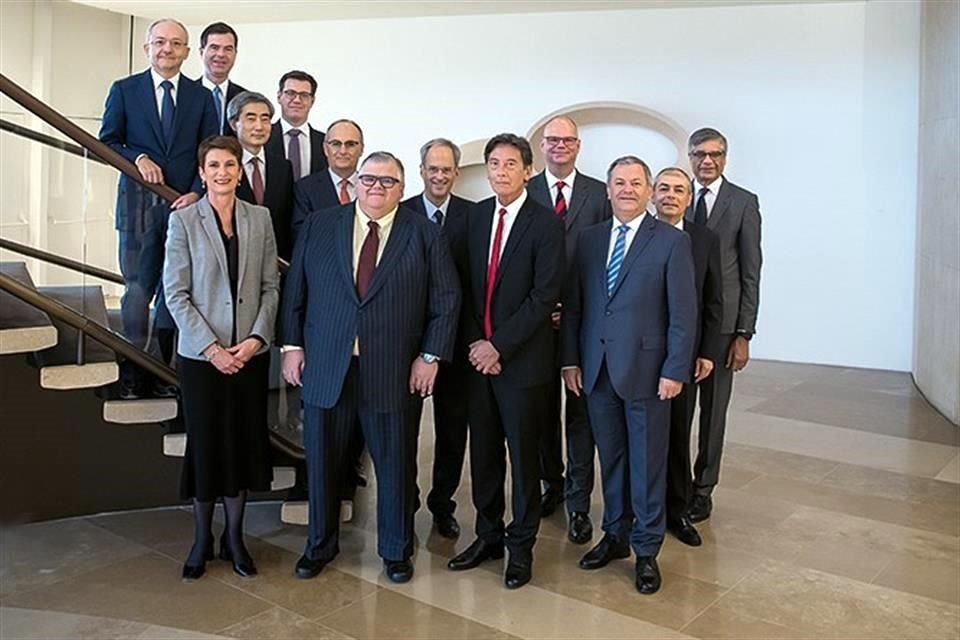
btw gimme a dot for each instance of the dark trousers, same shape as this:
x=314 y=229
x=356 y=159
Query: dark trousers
x=500 y=412
x=391 y=439
x=450 y=436
x=679 y=478
x=581 y=451
x=632 y=438
x=715 y=394
x=551 y=444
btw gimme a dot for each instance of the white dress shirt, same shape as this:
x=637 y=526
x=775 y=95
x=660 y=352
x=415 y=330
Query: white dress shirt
x=431 y=208
x=678 y=225
x=552 y=181
x=634 y=226
x=351 y=183
x=158 y=90
x=710 y=198
x=248 y=166
x=304 y=129
x=224 y=86
x=513 y=209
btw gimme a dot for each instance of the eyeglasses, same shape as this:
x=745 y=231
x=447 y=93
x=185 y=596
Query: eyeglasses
x=290 y=94
x=386 y=182
x=713 y=155
x=349 y=145
x=160 y=43
x=554 y=141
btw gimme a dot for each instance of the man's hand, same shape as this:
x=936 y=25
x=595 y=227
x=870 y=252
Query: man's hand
x=291 y=365
x=423 y=376
x=669 y=389
x=245 y=350
x=149 y=170
x=555 y=317
x=702 y=369
x=225 y=362
x=186 y=199
x=573 y=378
x=484 y=357
x=739 y=353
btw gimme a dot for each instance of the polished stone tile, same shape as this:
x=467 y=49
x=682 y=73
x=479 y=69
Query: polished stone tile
x=156 y=632
x=145 y=589
x=897 y=486
x=30 y=624
x=150 y=528
x=951 y=471
x=933 y=579
x=734 y=477
x=280 y=624
x=775 y=463
x=40 y=554
x=721 y=624
x=836 y=607
x=713 y=563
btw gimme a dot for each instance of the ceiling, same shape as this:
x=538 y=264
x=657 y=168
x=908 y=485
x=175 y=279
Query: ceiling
x=195 y=12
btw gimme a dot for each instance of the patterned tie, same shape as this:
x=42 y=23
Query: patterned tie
x=492 y=276
x=560 y=207
x=344 y=194
x=700 y=213
x=256 y=180
x=368 y=258
x=438 y=217
x=167 y=111
x=293 y=153
x=218 y=103
x=616 y=258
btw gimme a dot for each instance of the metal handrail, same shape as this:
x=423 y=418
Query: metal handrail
x=50 y=141
x=60 y=261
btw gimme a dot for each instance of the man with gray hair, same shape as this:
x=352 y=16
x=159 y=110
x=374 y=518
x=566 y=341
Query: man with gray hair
x=439 y=168
x=265 y=181
x=156 y=119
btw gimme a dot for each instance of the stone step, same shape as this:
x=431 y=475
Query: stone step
x=295 y=512
x=23 y=328
x=139 y=411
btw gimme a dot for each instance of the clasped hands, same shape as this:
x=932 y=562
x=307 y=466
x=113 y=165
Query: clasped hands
x=485 y=358
x=229 y=360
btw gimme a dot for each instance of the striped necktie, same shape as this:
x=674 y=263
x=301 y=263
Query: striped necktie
x=218 y=103
x=616 y=258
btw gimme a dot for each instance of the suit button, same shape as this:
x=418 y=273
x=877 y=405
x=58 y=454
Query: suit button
x=602 y=341
x=608 y=313
x=240 y=301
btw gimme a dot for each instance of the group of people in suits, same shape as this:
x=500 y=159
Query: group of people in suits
x=563 y=308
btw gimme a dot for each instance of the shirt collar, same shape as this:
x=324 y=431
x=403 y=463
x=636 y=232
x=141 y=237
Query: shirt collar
x=383 y=222
x=158 y=79
x=514 y=206
x=351 y=179
x=286 y=127
x=210 y=84
x=261 y=156
x=633 y=224
x=431 y=208
x=552 y=180
x=678 y=225
x=714 y=186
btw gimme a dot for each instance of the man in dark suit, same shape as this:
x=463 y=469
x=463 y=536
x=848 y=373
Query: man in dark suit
x=629 y=323
x=218 y=51
x=672 y=191
x=369 y=308
x=581 y=201
x=293 y=138
x=439 y=168
x=343 y=146
x=265 y=181
x=155 y=119
x=733 y=213
x=512 y=274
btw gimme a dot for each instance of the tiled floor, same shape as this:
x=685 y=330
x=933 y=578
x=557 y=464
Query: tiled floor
x=837 y=516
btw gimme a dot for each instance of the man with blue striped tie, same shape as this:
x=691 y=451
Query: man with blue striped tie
x=218 y=51
x=628 y=332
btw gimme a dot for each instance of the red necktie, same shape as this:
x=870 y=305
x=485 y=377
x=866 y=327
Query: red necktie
x=368 y=259
x=344 y=194
x=257 y=180
x=560 y=208
x=492 y=276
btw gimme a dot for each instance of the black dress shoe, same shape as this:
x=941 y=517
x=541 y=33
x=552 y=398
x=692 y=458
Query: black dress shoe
x=684 y=531
x=700 y=508
x=398 y=571
x=606 y=550
x=518 y=573
x=447 y=526
x=195 y=571
x=648 y=575
x=472 y=556
x=307 y=568
x=580 y=529
x=549 y=502
x=243 y=564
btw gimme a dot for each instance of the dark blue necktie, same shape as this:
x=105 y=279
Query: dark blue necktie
x=166 y=111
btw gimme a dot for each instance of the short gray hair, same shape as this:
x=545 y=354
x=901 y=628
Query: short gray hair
x=161 y=21
x=384 y=156
x=675 y=171
x=704 y=134
x=440 y=142
x=628 y=160
x=242 y=99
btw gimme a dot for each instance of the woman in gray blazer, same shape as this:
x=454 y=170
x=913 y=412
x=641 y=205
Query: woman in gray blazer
x=222 y=287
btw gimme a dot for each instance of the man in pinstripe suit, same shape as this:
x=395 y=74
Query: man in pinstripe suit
x=369 y=308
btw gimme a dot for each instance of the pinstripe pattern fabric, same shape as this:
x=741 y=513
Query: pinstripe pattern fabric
x=616 y=258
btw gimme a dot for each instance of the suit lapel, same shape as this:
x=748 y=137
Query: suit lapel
x=317 y=159
x=720 y=205
x=520 y=226
x=149 y=98
x=601 y=247
x=644 y=235
x=213 y=233
x=183 y=102
x=396 y=243
x=480 y=250
x=242 y=222
x=577 y=200
x=345 y=248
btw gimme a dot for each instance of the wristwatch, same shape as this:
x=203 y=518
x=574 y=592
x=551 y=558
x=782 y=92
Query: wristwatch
x=429 y=358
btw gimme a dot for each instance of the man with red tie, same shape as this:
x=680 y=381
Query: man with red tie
x=512 y=272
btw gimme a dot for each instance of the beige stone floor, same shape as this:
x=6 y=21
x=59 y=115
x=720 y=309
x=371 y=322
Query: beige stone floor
x=837 y=516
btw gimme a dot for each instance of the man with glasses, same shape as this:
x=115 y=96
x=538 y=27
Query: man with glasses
x=293 y=138
x=155 y=119
x=343 y=146
x=439 y=168
x=580 y=201
x=218 y=51
x=369 y=309
x=733 y=213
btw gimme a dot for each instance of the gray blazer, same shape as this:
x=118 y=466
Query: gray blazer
x=197 y=284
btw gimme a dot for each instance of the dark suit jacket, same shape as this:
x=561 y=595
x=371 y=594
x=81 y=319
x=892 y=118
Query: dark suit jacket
x=529 y=281
x=131 y=126
x=646 y=329
x=277 y=197
x=735 y=219
x=410 y=308
x=311 y=193
x=276 y=146
x=706 y=264
x=588 y=206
